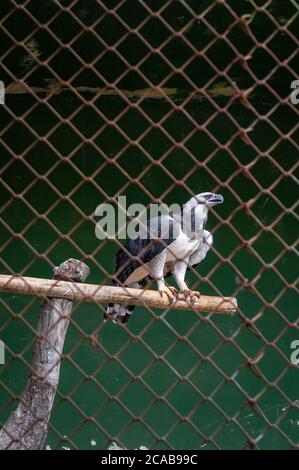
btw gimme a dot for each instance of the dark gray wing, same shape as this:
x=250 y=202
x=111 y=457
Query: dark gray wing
x=143 y=249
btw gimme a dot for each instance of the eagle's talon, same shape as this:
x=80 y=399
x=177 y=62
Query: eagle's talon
x=170 y=297
x=185 y=292
x=191 y=295
x=194 y=296
x=173 y=290
x=171 y=293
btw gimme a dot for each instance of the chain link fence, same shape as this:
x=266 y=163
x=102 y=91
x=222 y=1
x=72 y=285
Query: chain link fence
x=158 y=101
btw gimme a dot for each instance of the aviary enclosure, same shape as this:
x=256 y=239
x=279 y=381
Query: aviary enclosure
x=156 y=101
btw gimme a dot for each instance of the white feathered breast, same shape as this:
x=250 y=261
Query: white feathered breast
x=182 y=247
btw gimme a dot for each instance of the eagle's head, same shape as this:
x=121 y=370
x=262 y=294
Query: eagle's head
x=195 y=212
x=208 y=199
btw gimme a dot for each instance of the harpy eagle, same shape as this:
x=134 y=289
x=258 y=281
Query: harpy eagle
x=168 y=244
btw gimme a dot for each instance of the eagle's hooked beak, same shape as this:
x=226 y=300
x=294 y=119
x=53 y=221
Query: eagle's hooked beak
x=215 y=199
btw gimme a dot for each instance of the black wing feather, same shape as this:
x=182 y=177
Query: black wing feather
x=137 y=252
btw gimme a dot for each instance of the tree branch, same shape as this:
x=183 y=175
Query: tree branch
x=104 y=294
x=27 y=426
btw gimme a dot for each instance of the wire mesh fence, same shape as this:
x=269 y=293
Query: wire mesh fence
x=157 y=101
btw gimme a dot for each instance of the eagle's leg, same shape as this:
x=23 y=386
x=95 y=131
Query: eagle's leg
x=179 y=273
x=156 y=271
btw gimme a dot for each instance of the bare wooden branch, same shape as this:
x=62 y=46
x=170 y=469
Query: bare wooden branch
x=104 y=294
x=27 y=427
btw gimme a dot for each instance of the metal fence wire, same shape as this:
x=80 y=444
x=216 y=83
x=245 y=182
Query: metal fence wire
x=158 y=101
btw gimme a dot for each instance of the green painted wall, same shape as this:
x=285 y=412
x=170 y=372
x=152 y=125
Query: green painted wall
x=169 y=360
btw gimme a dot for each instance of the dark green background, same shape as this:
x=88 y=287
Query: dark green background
x=168 y=364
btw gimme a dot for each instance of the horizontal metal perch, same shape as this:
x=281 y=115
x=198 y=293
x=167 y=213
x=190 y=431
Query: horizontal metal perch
x=103 y=294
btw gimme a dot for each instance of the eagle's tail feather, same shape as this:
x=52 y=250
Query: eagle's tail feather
x=119 y=313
